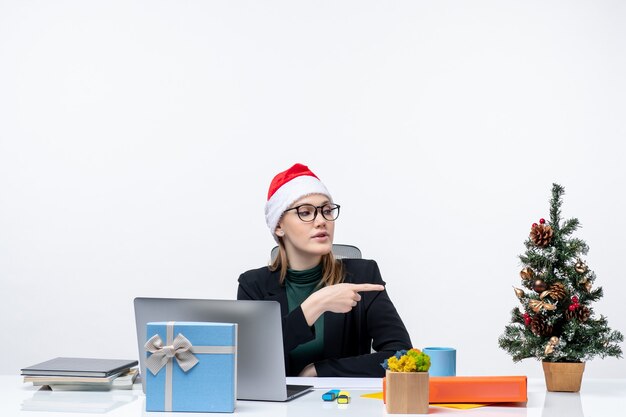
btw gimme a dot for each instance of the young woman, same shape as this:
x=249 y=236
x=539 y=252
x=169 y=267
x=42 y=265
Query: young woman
x=334 y=311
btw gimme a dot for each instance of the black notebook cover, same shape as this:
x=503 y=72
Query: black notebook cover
x=80 y=367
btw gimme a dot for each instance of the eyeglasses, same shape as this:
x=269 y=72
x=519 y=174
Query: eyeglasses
x=308 y=212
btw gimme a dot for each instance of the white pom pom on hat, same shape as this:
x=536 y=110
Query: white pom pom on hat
x=288 y=187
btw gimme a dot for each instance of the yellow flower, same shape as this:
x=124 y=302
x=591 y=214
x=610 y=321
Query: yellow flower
x=412 y=360
x=404 y=364
x=407 y=364
x=392 y=363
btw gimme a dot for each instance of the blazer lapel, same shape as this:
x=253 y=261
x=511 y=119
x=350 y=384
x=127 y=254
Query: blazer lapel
x=277 y=292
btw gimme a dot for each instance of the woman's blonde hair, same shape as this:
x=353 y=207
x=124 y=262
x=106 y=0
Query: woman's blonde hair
x=332 y=269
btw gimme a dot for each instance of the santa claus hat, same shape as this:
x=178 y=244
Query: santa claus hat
x=286 y=188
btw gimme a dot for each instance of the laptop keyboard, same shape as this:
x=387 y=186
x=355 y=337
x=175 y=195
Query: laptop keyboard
x=296 y=389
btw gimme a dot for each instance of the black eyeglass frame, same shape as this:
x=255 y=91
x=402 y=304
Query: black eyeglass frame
x=334 y=206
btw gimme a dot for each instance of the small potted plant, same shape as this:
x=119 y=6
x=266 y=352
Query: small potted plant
x=556 y=322
x=406 y=382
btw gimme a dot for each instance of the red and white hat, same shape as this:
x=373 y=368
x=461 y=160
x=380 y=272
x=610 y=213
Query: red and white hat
x=286 y=188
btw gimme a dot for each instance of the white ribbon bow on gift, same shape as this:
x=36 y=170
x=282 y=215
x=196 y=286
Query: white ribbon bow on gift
x=179 y=349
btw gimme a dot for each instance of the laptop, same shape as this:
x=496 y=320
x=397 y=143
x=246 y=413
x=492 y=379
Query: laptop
x=260 y=361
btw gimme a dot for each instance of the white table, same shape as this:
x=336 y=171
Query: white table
x=598 y=397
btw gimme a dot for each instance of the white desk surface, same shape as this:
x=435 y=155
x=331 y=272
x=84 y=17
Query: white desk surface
x=598 y=397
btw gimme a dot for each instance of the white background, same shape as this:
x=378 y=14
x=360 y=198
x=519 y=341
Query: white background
x=138 y=139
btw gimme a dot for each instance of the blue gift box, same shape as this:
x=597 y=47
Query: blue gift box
x=191 y=366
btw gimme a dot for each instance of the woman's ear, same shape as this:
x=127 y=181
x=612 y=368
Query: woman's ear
x=279 y=231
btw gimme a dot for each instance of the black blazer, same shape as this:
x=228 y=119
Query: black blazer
x=348 y=337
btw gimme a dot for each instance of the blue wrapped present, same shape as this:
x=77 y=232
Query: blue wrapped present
x=191 y=366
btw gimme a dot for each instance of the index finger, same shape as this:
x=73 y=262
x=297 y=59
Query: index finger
x=367 y=287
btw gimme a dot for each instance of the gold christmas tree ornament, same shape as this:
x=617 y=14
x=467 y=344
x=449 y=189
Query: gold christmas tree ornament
x=537 y=306
x=519 y=293
x=581 y=267
x=586 y=283
x=551 y=345
x=527 y=274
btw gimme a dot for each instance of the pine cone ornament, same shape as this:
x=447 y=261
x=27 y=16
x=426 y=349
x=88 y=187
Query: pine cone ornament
x=541 y=234
x=556 y=292
x=539 y=326
x=581 y=313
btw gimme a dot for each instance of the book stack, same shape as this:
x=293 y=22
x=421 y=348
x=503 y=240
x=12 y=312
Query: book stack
x=88 y=402
x=82 y=374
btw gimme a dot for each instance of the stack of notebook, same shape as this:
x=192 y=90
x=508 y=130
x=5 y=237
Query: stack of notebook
x=82 y=374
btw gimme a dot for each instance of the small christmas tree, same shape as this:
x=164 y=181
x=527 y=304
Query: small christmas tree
x=556 y=322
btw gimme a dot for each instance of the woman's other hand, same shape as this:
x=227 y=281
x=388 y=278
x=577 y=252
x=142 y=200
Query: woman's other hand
x=308 y=370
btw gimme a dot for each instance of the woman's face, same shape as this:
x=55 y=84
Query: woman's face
x=306 y=242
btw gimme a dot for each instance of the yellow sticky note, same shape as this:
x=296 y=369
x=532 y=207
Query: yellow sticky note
x=374 y=395
x=458 y=406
